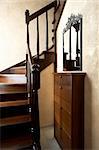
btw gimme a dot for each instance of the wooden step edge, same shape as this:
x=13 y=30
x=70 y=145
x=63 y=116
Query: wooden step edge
x=12 y=79
x=15 y=65
x=18 y=70
x=13 y=92
x=5 y=89
x=14 y=120
x=14 y=103
x=12 y=84
x=11 y=75
x=19 y=67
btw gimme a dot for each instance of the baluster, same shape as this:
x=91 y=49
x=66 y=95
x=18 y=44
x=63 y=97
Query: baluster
x=63 y=51
x=70 y=44
x=77 y=57
x=77 y=43
x=81 y=44
x=38 y=38
x=55 y=45
x=46 y=30
x=27 y=73
x=27 y=16
x=26 y=66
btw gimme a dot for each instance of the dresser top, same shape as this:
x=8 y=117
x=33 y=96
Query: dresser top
x=71 y=72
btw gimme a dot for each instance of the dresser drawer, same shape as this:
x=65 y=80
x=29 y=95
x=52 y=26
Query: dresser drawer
x=57 y=113
x=66 y=122
x=66 y=91
x=66 y=105
x=57 y=99
x=66 y=80
x=66 y=99
x=57 y=79
x=65 y=140
x=57 y=89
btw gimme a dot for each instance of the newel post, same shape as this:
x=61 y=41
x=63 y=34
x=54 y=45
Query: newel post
x=35 y=124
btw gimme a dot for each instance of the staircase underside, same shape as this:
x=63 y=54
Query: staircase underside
x=45 y=59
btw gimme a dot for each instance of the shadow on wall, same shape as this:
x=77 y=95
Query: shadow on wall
x=88 y=114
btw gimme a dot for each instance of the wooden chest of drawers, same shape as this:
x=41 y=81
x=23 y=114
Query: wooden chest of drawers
x=69 y=110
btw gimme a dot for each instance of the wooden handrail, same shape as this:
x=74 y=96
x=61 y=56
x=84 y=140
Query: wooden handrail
x=59 y=14
x=41 y=11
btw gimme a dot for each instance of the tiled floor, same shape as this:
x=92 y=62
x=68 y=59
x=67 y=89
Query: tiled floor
x=48 y=141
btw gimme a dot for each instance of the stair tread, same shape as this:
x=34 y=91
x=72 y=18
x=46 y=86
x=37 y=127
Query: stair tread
x=15 y=120
x=12 y=75
x=11 y=93
x=14 y=103
x=12 y=79
x=7 y=74
x=14 y=83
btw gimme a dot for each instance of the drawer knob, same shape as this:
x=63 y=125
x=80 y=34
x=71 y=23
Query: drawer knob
x=60 y=87
x=60 y=76
x=61 y=108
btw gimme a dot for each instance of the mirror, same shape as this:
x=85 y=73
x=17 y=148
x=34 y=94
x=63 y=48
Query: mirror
x=72 y=43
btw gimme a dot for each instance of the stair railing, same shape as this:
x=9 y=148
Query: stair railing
x=33 y=74
x=36 y=15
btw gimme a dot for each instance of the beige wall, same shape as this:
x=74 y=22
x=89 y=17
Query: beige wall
x=90 y=11
x=46 y=96
x=13 y=30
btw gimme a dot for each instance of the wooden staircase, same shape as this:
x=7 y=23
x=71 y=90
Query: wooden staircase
x=15 y=118
x=15 y=115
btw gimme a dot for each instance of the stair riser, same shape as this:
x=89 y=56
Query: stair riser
x=13 y=97
x=15 y=130
x=14 y=111
x=19 y=69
